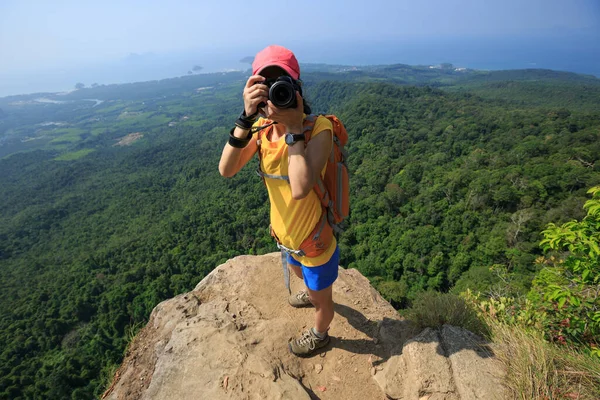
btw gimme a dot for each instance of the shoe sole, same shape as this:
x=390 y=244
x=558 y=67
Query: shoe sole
x=313 y=353
x=301 y=305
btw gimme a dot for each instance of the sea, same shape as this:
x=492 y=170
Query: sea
x=580 y=54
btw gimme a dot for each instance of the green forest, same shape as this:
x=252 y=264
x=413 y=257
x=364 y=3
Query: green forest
x=112 y=201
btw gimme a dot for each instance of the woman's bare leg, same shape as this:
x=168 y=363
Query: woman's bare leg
x=323 y=302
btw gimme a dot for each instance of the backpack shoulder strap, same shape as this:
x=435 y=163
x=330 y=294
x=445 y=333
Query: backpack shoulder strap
x=309 y=124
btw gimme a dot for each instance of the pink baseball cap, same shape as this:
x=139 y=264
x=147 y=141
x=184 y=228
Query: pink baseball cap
x=276 y=56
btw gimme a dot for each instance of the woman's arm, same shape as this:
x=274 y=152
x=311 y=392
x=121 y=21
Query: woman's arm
x=307 y=162
x=232 y=158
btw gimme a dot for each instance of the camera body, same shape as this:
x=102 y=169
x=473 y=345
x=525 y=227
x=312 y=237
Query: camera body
x=282 y=91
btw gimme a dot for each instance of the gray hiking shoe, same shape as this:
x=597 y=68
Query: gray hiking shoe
x=300 y=299
x=307 y=344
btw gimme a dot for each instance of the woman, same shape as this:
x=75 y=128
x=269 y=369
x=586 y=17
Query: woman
x=295 y=208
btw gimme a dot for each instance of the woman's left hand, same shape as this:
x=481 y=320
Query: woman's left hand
x=292 y=118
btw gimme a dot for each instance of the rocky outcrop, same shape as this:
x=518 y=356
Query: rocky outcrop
x=450 y=364
x=227 y=339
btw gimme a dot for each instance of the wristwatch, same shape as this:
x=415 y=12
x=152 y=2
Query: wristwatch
x=293 y=138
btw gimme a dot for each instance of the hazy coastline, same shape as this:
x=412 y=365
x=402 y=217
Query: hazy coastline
x=572 y=53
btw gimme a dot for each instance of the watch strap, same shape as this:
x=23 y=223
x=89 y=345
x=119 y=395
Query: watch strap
x=237 y=142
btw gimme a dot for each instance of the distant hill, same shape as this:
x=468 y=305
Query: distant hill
x=530 y=75
x=579 y=94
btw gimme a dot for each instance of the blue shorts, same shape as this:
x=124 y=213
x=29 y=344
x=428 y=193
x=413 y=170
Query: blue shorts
x=321 y=277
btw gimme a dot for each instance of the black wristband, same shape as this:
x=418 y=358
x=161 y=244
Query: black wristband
x=237 y=142
x=245 y=122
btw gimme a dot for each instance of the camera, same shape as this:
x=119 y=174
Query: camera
x=282 y=92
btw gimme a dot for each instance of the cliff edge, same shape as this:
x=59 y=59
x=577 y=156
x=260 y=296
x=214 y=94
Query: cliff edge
x=227 y=339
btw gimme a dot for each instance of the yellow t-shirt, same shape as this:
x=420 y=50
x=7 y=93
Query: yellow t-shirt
x=292 y=220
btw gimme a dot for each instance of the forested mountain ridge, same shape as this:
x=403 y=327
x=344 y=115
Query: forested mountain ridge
x=93 y=236
x=458 y=184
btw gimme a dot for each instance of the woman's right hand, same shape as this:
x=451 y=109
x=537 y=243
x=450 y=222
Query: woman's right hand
x=254 y=94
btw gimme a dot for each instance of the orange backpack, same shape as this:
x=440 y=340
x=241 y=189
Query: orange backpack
x=333 y=189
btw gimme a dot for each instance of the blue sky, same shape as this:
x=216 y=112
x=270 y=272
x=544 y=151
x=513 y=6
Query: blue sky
x=40 y=36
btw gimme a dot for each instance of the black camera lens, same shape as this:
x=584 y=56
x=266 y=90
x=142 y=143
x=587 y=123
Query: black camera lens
x=283 y=95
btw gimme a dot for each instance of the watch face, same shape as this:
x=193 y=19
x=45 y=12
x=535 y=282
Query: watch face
x=289 y=139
